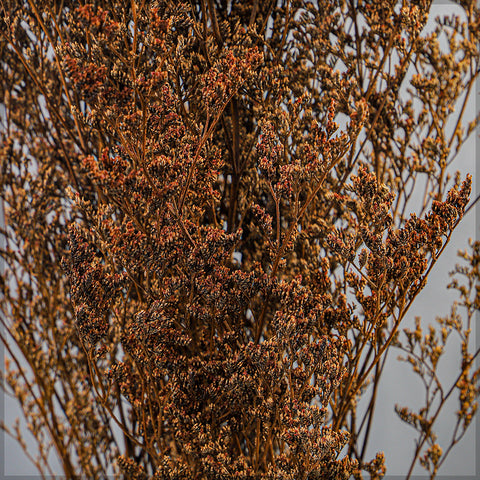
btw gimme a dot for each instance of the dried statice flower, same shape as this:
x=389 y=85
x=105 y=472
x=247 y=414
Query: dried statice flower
x=210 y=243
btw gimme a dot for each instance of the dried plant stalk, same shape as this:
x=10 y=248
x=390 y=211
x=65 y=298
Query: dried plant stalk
x=209 y=245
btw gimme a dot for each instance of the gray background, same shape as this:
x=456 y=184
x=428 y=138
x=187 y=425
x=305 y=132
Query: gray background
x=399 y=385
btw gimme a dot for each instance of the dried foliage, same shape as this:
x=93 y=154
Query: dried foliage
x=210 y=244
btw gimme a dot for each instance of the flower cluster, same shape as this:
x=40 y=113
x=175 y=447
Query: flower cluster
x=210 y=249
